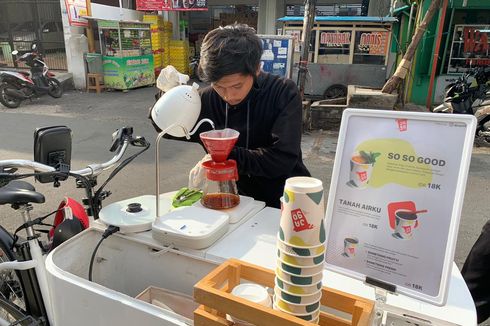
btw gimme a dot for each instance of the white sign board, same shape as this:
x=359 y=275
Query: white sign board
x=396 y=197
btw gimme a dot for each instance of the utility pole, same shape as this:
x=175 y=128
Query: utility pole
x=308 y=20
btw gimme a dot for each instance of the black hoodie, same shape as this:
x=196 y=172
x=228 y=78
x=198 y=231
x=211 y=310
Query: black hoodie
x=268 y=150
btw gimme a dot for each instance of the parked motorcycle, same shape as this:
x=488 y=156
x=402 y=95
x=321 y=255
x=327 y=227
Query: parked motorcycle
x=193 y=67
x=471 y=97
x=16 y=87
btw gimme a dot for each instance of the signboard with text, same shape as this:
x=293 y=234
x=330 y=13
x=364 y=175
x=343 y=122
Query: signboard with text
x=277 y=54
x=396 y=198
x=470 y=47
x=168 y=5
x=76 y=9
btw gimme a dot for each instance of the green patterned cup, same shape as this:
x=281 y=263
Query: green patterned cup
x=297 y=289
x=300 y=271
x=302 y=213
x=309 y=299
x=299 y=280
x=288 y=308
x=300 y=252
x=300 y=261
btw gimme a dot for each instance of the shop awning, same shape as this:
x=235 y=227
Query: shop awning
x=353 y=19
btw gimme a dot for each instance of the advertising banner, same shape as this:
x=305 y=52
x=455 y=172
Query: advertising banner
x=76 y=9
x=396 y=198
x=470 y=48
x=189 y=4
x=278 y=54
x=151 y=5
x=129 y=72
x=168 y=5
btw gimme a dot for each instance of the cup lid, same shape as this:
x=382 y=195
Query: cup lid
x=303 y=184
x=253 y=292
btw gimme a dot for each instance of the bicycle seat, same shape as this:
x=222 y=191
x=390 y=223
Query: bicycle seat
x=20 y=192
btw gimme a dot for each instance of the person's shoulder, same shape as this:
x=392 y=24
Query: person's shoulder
x=271 y=81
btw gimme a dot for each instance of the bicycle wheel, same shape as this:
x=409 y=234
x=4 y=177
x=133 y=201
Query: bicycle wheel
x=12 y=298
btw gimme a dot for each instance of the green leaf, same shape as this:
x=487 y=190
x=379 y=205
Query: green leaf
x=365 y=156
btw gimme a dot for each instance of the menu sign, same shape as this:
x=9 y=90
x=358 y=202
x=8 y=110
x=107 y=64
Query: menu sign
x=396 y=197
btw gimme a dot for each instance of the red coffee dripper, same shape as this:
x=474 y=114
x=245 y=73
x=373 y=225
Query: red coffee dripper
x=220 y=189
x=219 y=143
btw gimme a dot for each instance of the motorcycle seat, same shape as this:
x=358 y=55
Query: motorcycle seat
x=25 y=73
x=20 y=193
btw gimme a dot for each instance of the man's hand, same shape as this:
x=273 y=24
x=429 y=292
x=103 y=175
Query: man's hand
x=198 y=174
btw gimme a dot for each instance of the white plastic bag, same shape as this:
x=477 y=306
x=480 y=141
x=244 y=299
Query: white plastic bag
x=169 y=78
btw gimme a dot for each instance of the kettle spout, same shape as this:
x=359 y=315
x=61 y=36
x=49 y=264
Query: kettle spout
x=200 y=123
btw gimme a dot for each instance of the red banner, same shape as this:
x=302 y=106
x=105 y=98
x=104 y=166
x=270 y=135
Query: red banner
x=168 y=5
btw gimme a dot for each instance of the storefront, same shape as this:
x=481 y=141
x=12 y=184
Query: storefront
x=463 y=44
x=126 y=54
x=344 y=51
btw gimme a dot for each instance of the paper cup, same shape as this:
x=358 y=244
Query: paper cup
x=252 y=292
x=300 y=261
x=302 y=213
x=296 y=299
x=360 y=172
x=297 y=289
x=300 y=252
x=300 y=271
x=350 y=247
x=405 y=224
x=298 y=280
x=302 y=310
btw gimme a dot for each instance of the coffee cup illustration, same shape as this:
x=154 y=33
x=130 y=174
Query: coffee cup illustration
x=361 y=168
x=406 y=222
x=350 y=247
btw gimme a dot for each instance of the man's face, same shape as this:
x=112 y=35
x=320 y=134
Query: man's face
x=234 y=88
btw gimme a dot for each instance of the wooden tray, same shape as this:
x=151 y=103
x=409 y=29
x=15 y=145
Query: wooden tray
x=213 y=293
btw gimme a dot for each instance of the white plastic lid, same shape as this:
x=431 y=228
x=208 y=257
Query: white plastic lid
x=303 y=184
x=252 y=292
x=140 y=219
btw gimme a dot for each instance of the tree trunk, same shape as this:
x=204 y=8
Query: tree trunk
x=308 y=20
x=404 y=66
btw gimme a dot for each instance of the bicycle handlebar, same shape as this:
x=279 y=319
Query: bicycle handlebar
x=122 y=139
x=91 y=170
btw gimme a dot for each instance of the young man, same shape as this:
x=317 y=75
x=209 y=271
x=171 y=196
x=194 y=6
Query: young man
x=265 y=109
x=476 y=273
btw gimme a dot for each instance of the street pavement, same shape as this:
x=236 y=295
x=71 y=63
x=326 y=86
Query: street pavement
x=93 y=117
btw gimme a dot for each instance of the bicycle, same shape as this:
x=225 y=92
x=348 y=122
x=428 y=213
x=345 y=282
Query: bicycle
x=24 y=295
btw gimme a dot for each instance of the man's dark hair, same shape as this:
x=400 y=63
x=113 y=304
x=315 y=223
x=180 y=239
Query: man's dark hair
x=229 y=50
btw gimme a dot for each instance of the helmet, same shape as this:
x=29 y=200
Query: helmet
x=67 y=226
x=65 y=230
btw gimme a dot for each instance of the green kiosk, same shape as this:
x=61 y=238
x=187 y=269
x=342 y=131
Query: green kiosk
x=126 y=54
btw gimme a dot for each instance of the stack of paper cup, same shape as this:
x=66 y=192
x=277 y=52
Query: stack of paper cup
x=301 y=249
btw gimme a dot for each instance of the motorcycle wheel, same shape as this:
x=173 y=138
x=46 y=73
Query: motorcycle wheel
x=55 y=89
x=8 y=101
